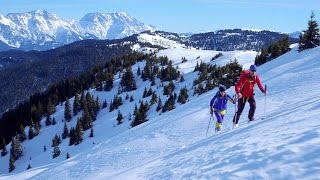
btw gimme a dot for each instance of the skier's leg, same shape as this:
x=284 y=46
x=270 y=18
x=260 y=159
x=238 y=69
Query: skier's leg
x=219 y=120
x=222 y=113
x=252 y=109
x=218 y=115
x=241 y=104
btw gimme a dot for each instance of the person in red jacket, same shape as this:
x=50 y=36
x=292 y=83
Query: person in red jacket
x=245 y=92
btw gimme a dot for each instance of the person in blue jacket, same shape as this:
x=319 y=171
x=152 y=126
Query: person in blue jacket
x=218 y=105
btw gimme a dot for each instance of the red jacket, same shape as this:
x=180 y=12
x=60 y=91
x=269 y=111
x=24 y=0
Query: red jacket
x=245 y=85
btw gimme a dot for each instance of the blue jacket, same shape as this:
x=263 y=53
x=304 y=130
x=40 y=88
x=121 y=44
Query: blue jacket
x=219 y=102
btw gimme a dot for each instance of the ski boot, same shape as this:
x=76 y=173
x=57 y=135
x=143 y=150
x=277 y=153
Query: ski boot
x=218 y=126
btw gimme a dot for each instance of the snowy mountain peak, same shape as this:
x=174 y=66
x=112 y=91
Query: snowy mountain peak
x=108 y=25
x=123 y=16
x=43 y=30
x=5 y=21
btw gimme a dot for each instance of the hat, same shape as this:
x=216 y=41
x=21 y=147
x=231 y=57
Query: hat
x=253 y=67
x=221 y=89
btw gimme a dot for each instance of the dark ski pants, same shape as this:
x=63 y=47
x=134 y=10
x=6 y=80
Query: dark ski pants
x=241 y=103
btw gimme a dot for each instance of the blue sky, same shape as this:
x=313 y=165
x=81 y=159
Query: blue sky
x=186 y=15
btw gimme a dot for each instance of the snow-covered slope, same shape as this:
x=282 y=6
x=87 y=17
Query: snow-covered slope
x=43 y=30
x=283 y=143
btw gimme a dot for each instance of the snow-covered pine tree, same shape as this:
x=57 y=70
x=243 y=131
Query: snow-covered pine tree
x=78 y=133
x=67 y=110
x=310 y=37
x=65 y=132
x=91 y=133
x=56 y=151
x=119 y=118
x=4 y=147
x=11 y=163
x=16 y=148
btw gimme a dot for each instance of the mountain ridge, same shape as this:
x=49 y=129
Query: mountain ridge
x=41 y=30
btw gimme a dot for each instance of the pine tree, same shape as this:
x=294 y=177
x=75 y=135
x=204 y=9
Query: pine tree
x=197 y=67
x=182 y=78
x=209 y=85
x=127 y=81
x=91 y=133
x=104 y=104
x=68 y=156
x=108 y=82
x=65 y=132
x=56 y=152
x=82 y=100
x=36 y=129
x=54 y=121
x=29 y=166
x=140 y=114
x=50 y=107
x=111 y=107
x=170 y=103
x=183 y=96
x=55 y=140
x=310 y=37
x=79 y=133
x=183 y=60
x=4 y=147
x=149 y=93
x=129 y=117
x=16 y=148
x=153 y=98
x=76 y=104
x=131 y=98
x=138 y=71
x=86 y=119
x=200 y=89
x=159 y=105
x=67 y=110
x=48 y=120
x=153 y=81
x=144 y=93
x=44 y=148
x=31 y=132
x=119 y=118
x=97 y=105
x=11 y=163
x=72 y=136
x=22 y=134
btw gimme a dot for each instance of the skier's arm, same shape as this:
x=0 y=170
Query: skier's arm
x=260 y=85
x=231 y=99
x=212 y=100
x=211 y=103
x=240 y=84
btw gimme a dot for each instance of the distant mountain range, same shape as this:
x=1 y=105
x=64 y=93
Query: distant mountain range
x=221 y=40
x=41 y=30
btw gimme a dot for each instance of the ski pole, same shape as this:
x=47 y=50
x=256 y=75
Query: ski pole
x=235 y=110
x=211 y=117
x=265 y=100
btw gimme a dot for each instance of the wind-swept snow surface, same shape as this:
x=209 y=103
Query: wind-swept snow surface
x=283 y=142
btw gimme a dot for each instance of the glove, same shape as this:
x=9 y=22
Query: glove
x=265 y=93
x=211 y=111
x=234 y=101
